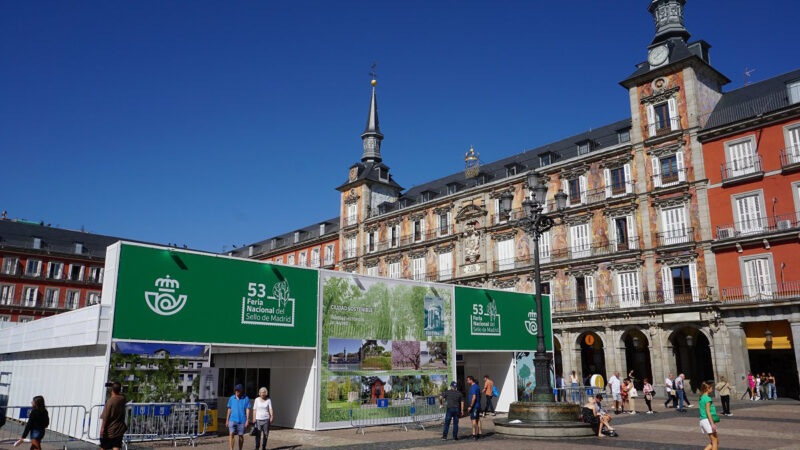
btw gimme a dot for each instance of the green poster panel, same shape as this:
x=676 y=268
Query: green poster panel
x=170 y=295
x=499 y=320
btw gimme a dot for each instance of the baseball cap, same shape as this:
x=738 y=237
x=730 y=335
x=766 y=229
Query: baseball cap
x=238 y=387
x=453 y=384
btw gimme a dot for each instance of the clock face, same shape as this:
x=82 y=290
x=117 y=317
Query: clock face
x=658 y=55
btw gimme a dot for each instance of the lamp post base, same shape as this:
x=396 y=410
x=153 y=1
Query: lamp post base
x=543 y=420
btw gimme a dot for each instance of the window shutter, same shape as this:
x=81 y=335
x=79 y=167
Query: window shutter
x=674 y=118
x=681 y=165
x=422 y=229
x=631 y=232
x=565 y=188
x=445 y=265
x=612 y=232
x=497 y=211
x=666 y=284
x=693 y=281
x=651 y=121
x=590 y=297
x=628 y=181
x=607 y=180
x=544 y=247
x=656 y=172
x=793 y=152
x=582 y=182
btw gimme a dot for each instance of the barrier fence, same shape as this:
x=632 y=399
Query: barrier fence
x=417 y=411
x=576 y=395
x=67 y=424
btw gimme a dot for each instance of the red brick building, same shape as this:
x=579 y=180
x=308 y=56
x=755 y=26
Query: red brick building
x=751 y=148
x=314 y=246
x=48 y=270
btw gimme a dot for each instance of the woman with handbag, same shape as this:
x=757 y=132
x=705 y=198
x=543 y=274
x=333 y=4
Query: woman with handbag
x=632 y=394
x=648 y=391
x=708 y=417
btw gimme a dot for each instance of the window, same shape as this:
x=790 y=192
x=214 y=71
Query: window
x=445 y=266
x=618 y=181
x=78 y=248
x=31 y=295
x=6 y=294
x=394 y=235
x=480 y=180
x=749 y=215
x=96 y=274
x=583 y=148
x=72 y=300
x=290 y=259
x=51 y=298
x=302 y=259
x=279 y=259
x=758 y=276
x=662 y=117
x=623 y=136
x=10 y=265
x=792 y=144
x=500 y=215
x=322 y=229
x=315 y=257
x=426 y=196
x=330 y=255
x=505 y=254
x=418 y=268
x=33 y=268
x=741 y=157
x=394 y=270
x=296 y=237
x=372 y=240
x=673 y=223
x=584 y=293
x=575 y=189
x=352 y=214
x=92 y=298
x=682 y=283
x=623 y=233
x=580 y=240
x=54 y=270
x=75 y=272
x=793 y=89
x=544 y=160
x=25 y=319
x=372 y=271
x=628 y=286
x=350 y=250
x=452 y=188
x=37 y=243
x=511 y=171
x=668 y=170
x=419 y=230
x=544 y=247
x=443 y=224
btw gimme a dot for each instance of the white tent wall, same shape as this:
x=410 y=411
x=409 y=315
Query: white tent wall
x=292 y=381
x=500 y=368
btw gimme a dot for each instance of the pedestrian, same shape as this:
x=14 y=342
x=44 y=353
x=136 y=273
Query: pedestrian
x=474 y=400
x=724 y=389
x=454 y=403
x=764 y=389
x=772 y=390
x=632 y=395
x=708 y=417
x=594 y=417
x=238 y=415
x=679 y=389
x=574 y=384
x=685 y=397
x=751 y=385
x=758 y=387
x=648 y=391
x=561 y=394
x=491 y=392
x=262 y=418
x=38 y=421
x=113 y=416
x=672 y=396
x=615 y=384
x=623 y=390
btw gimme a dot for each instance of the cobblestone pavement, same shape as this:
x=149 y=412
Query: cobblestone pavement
x=762 y=425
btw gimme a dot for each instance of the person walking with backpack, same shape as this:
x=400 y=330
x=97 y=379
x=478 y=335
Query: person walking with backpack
x=490 y=391
x=38 y=421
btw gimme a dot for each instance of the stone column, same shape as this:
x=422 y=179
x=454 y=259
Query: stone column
x=795 y=324
x=656 y=355
x=740 y=360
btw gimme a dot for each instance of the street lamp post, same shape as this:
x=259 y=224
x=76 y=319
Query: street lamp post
x=535 y=223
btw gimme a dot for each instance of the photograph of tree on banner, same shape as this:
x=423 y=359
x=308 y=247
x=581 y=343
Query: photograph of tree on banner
x=342 y=390
x=405 y=355
x=377 y=355
x=433 y=355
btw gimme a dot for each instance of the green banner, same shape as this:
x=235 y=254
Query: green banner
x=499 y=320
x=382 y=341
x=170 y=295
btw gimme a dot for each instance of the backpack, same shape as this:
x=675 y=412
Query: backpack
x=494 y=392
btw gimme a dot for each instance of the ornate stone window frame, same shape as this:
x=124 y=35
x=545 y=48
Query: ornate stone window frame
x=372 y=262
x=351 y=197
x=511 y=234
x=577 y=219
x=391 y=259
x=505 y=283
x=444 y=248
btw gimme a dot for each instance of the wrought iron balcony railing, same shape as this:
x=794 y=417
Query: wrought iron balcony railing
x=762 y=292
x=759 y=225
x=742 y=167
x=675 y=237
x=790 y=156
x=632 y=300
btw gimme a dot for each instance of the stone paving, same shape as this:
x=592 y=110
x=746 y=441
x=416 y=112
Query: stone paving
x=755 y=425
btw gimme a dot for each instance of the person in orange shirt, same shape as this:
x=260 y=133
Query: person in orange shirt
x=489 y=391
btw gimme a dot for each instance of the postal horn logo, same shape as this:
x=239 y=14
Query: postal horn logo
x=165 y=302
x=530 y=324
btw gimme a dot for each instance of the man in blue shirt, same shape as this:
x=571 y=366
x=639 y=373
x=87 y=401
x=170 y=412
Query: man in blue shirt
x=474 y=400
x=238 y=415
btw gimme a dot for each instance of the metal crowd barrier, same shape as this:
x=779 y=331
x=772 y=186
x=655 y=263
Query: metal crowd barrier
x=149 y=422
x=67 y=424
x=401 y=413
x=576 y=395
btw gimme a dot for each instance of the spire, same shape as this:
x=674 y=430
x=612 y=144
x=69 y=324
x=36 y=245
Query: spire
x=372 y=136
x=668 y=16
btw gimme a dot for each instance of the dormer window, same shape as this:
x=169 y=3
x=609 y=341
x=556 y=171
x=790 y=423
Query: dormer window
x=511 y=171
x=78 y=248
x=452 y=188
x=321 y=229
x=480 y=180
x=793 y=89
x=546 y=158
x=37 y=243
x=273 y=243
x=383 y=174
x=296 y=237
x=623 y=136
x=403 y=202
x=427 y=196
x=584 y=147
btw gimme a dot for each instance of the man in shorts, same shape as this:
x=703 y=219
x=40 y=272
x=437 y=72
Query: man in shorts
x=474 y=400
x=113 y=416
x=616 y=392
x=238 y=415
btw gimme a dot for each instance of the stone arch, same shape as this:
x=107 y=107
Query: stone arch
x=635 y=345
x=591 y=348
x=692 y=352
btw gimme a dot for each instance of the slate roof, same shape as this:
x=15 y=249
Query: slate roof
x=752 y=100
x=286 y=240
x=20 y=235
x=369 y=171
x=680 y=51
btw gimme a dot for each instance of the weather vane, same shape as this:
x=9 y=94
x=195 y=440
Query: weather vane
x=373 y=73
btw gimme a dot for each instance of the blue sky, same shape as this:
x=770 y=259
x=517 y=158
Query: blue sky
x=220 y=123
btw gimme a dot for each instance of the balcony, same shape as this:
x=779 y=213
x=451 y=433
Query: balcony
x=350 y=253
x=658 y=129
x=350 y=220
x=790 y=158
x=17 y=301
x=758 y=226
x=672 y=178
x=631 y=300
x=675 y=237
x=565 y=254
x=742 y=169
x=760 y=293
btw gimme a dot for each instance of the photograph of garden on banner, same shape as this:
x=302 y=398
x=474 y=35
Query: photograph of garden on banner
x=382 y=339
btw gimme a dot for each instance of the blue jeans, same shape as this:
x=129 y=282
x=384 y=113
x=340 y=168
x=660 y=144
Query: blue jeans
x=681 y=396
x=576 y=395
x=451 y=413
x=771 y=391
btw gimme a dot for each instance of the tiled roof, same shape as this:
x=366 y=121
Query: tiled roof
x=20 y=235
x=752 y=100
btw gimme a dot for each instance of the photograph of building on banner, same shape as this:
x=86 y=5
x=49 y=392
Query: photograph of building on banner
x=384 y=343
